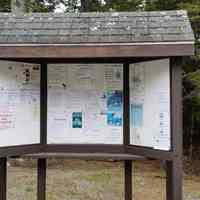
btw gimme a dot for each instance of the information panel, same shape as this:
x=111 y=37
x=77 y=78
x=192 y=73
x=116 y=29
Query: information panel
x=19 y=104
x=150 y=104
x=85 y=103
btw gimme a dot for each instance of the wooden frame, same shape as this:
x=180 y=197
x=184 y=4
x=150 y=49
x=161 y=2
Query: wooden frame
x=102 y=50
x=173 y=158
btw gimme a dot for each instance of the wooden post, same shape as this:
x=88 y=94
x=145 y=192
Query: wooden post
x=3 y=178
x=174 y=167
x=126 y=130
x=41 y=186
x=84 y=6
x=41 y=190
x=128 y=180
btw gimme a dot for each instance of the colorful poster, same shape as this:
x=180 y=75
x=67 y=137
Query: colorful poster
x=77 y=120
x=115 y=108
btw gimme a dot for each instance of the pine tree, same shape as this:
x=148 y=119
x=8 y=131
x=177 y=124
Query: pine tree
x=31 y=5
x=5 y=5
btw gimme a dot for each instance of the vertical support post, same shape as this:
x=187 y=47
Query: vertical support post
x=174 y=167
x=3 y=178
x=126 y=131
x=41 y=185
x=128 y=180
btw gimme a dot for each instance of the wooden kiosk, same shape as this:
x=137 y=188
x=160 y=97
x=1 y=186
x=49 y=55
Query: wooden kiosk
x=93 y=86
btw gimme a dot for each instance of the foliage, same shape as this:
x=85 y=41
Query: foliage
x=40 y=5
x=122 y=5
x=32 y=5
x=71 y=5
x=5 y=5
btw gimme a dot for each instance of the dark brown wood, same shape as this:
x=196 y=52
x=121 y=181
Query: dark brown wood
x=126 y=132
x=149 y=152
x=174 y=180
x=174 y=167
x=177 y=108
x=41 y=184
x=128 y=180
x=41 y=190
x=43 y=103
x=84 y=156
x=169 y=180
x=3 y=178
x=84 y=148
x=84 y=60
x=102 y=148
x=98 y=51
x=126 y=105
x=20 y=150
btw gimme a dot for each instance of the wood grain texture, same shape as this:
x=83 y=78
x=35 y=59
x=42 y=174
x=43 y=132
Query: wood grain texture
x=107 y=51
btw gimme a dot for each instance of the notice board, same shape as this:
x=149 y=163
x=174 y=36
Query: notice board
x=19 y=104
x=85 y=104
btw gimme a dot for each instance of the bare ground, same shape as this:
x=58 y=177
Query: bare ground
x=84 y=180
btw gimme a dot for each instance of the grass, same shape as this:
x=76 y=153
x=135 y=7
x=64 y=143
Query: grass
x=84 y=180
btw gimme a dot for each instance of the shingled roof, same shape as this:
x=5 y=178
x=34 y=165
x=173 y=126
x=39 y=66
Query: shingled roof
x=81 y=28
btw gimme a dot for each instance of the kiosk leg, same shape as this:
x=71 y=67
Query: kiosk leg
x=174 y=180
x=128 y=179
x=3 y=178
x=41 y=185
x=174 y=167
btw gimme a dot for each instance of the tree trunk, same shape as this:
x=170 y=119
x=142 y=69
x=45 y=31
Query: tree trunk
x=18 y=6
x=191 y=135
x=84 y=5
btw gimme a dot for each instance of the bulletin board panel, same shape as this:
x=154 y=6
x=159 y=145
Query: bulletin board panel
x=85 y=104
x=19 y=104
x=150 y=104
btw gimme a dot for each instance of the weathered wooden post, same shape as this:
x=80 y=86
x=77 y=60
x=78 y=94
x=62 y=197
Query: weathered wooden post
x=3 y=178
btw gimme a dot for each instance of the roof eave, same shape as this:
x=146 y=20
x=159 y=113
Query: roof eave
x=97 y=50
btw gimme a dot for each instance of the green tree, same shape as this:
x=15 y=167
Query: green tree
x=5 y=5
x=123 y=5
x=41 y=5
x=31 y=5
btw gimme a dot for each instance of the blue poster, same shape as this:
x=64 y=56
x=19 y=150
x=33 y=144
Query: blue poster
x=114 y=108
x=77 y=120
x=136 y=115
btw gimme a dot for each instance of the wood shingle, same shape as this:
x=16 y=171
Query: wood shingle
x=81 y=28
